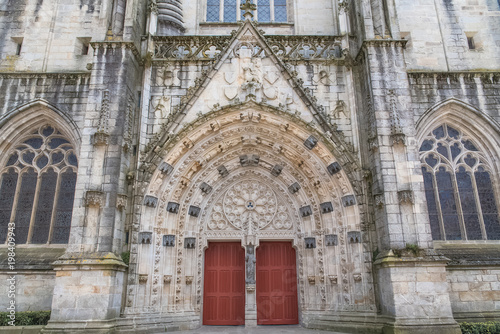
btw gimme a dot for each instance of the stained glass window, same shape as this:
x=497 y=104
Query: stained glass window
x=37 y=187
x=263 y=11
x=458 y=187
x=229 y=10
x=64 y=207
x=213 y=10
x=280 y=11
x=7 y=192
x=267 y=10
x=45 y=207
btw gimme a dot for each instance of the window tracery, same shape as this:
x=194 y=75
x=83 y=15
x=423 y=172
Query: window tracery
x=37 y=186
x=458 y=187
x=267 y=11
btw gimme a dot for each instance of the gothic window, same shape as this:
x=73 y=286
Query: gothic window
x=37 y=186
x=267 y=11
x=458 y=187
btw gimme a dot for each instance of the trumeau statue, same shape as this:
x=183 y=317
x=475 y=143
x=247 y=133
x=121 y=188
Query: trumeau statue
x=250 y=265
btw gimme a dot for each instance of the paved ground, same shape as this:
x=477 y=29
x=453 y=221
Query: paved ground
x=284 y=329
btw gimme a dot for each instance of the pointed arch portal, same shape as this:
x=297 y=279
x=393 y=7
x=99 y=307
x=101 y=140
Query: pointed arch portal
x=256 y=179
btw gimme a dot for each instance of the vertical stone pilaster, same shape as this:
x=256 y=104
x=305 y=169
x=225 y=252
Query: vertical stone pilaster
x=400 y=216
x=250 y=306
x=412 y=286
x=90 y=275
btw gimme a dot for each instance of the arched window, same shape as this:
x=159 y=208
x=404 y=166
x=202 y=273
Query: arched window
x=37 y=187
x=458 y=187
x=267 y=10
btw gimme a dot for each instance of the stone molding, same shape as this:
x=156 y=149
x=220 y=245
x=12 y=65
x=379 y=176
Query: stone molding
x=491 y=76
x=368 y=43
x=171 y=47
x=150 y=201
x=90 y=261
x=286 y=48
x=114 y=45
x=379 y=200
x=41 y=75
x=428 y=258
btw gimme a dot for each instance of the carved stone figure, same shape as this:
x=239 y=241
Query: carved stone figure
x=250 y=265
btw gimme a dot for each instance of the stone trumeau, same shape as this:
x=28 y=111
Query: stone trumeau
x=168 y=164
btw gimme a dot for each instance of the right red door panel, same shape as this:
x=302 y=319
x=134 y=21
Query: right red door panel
x=276 y=284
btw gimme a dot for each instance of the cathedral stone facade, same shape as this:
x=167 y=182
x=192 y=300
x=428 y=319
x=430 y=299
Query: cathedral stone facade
x=168 y=164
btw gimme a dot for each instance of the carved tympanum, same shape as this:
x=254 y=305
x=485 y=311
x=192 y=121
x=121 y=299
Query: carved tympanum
x=249 y=201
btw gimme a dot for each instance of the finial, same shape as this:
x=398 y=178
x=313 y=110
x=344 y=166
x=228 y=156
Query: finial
x=248 y=7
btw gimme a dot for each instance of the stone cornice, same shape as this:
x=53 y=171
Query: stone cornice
x=493 y=75
x=173 y=47
x=384 y=42
x=113 y=45
x=423 y=257
x=236 y=24
x=379 y=43
x=285 y=47
x=50 y=75
x=94 y=261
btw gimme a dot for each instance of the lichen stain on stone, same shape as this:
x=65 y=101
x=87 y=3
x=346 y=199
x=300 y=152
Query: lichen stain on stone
x=39 y=4
x=9 y=63
x=90 y=5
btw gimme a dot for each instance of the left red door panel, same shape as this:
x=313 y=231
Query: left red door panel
x=224 y=289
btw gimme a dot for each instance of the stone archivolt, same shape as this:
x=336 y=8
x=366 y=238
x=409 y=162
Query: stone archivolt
x=287 y=126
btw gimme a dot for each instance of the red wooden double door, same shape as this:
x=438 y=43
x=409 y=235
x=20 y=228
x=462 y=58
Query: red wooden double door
x=276 y=284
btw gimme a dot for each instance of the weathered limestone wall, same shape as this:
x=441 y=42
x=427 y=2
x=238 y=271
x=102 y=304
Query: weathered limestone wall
x=438 y=33
x=53 y=34
x=473 y=275
x=67 y=92
x=110 y=109
x=35 y=279
x=479 y=90
x=474 y=292
x=389 y=149
x=414 y=292
x=34 y=290
x=99 y=294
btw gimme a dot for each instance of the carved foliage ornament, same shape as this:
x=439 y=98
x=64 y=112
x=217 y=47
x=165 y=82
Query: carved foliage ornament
x=94 y=198
x=190 y=47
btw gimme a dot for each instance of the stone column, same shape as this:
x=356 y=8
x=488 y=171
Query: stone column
x=250 y=306
x=251 y=301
